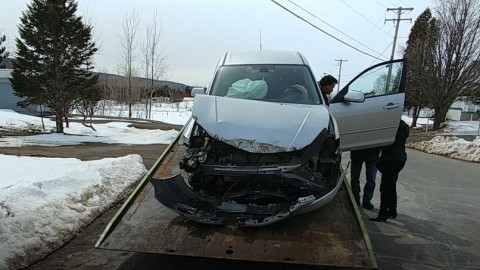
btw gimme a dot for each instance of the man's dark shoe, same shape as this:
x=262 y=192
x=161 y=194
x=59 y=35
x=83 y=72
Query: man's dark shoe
x=382 y=216
x=392 y=213
x=378 y=218
x=367 y=205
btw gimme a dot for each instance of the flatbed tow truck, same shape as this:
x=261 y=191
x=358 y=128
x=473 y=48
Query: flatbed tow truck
x=333 y=236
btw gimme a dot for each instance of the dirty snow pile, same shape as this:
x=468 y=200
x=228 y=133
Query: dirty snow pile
x=44 y=202
x=452 y=147
x=448 y=144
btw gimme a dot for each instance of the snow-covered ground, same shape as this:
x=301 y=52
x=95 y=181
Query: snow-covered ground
x=44 y=202
x=174 y=113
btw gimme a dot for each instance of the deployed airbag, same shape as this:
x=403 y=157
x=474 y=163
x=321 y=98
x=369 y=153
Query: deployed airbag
x=248 y=89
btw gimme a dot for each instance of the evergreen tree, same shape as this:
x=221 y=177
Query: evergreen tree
x=420 y=54
x=3 y=50
x=54 y=57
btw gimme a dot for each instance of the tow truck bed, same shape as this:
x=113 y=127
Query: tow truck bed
x=333 y=236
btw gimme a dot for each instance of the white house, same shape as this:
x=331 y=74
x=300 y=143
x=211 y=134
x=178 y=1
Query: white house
x=463 y=109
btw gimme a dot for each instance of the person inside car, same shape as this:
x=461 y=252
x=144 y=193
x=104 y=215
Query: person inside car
x=295 y=92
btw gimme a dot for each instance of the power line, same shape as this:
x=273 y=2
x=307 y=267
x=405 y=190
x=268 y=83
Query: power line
x=382 y=53
x=381 y=4
x=364 y=17
x=371 y=28
x=380 y=38
x=391 y=2
x=356 y=73
x=332 y=26
x=318 y=28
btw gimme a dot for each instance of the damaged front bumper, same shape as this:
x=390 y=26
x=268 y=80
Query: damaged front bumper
x=177 y=195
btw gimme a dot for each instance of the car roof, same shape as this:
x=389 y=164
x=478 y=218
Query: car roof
x=263 y=57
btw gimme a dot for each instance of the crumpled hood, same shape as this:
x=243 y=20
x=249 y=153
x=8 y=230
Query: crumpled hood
x=260 y=126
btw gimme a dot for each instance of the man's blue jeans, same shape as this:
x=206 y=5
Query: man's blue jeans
x=371 y=174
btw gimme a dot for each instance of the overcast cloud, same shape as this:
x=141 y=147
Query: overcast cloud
x=197 y=33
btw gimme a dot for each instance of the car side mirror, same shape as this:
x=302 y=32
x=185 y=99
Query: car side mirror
x=354 y=96
x=197 y=90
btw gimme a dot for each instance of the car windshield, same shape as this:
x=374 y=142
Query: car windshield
x=274 y=83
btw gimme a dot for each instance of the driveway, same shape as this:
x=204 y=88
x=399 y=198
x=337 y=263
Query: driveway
x=437 y=226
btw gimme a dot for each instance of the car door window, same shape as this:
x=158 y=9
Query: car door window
x=372 y=122
x=381 y=80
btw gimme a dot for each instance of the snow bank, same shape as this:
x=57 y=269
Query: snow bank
x=43 y=207
x=452 y=147
x=11 y=120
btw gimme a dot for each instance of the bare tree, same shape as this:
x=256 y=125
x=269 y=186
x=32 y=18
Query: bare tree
x=476 y=94
x=457 y=50
x=128 y=46
x=146 y=55
x=88 y=104
x=87 y=19
x=155 y=64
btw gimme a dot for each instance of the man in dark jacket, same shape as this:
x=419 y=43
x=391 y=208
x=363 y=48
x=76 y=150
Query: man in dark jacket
x=358 y=157
x=392 y=160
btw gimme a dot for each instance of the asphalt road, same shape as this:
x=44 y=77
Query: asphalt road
x=437 y=226
x=438 y=222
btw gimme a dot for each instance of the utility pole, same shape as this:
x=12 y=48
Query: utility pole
x=260 y=39
x=399 y=11
x=340 y=61
x=398 y=19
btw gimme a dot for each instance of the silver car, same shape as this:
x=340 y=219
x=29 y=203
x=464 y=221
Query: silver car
x=262 y=146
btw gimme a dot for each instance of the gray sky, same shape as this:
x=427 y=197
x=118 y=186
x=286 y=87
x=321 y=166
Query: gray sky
x=197 y=33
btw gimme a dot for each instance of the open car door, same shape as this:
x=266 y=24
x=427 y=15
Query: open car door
x=373 y=122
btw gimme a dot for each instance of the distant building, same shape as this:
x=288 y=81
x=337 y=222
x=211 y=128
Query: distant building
x=464 y=109
x=8 y=100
